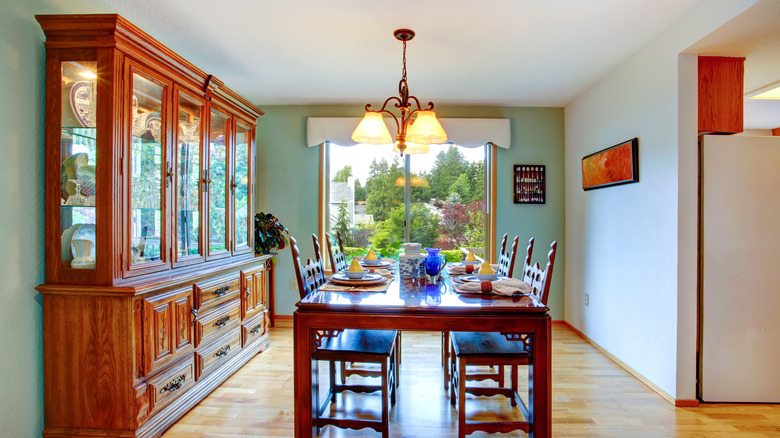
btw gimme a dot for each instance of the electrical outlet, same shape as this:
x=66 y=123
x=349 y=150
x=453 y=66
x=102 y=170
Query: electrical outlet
x=293 y=284
x=587 y=299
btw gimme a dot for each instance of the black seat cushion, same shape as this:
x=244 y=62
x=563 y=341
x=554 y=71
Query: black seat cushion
x=485 y=343
x=369 y=342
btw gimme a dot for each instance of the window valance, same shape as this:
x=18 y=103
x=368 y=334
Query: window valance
x=466 y=132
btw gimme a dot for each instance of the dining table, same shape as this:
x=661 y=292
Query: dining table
x=425 y=304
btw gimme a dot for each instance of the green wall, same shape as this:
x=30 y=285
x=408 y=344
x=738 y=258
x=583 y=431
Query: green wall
x=21 y=210
x=287 y=182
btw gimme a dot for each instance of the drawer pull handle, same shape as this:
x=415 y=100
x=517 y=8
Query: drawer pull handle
x=174 y=384
x=221 y=322
x=222 y=352
x=247 y=291
x=221 y=291
x=256 y=329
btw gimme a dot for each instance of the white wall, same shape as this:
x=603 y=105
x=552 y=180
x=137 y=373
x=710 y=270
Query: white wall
x=632 y=248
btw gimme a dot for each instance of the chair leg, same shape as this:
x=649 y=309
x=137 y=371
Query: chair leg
x=461 y=398
x=385 y=401
x=500 y=375
x=513 y=370
x=445 y=348
x=398 y=345
x=332 y=380
x=453 y=374
x=343 y=366
x=393 y=375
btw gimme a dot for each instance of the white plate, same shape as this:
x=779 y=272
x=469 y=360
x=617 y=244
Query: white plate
x=368 y=277
x=473 y=278
x=81 y=103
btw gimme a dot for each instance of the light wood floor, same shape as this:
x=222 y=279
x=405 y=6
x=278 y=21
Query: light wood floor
x=592 y=397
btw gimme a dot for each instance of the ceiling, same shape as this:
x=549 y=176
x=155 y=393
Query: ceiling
x=494 y=52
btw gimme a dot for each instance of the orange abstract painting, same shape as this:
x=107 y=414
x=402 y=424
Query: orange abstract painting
x=612 y=166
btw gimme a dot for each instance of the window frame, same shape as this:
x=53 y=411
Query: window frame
x=490 y=198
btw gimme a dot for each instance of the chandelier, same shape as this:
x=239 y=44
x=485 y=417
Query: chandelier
x=416 y=129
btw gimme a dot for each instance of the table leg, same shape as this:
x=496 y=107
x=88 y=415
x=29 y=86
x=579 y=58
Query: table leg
x=304 y=379
x=540 y=376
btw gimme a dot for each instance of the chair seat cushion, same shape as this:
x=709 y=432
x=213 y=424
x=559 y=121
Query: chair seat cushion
x=485 y=343
x=371 y=342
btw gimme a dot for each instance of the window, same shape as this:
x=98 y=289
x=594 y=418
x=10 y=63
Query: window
x=372 y=192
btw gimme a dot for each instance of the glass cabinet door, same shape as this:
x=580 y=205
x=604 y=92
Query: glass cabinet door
x=241 y=175
x=217 y=182
x=78 y=155
x=146 y=170
x=187 y=192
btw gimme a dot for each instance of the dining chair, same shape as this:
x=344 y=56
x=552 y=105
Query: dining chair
x=348 y=345
x=506 y=266
x=506 y=259
x=491 y=348
x=338 y=261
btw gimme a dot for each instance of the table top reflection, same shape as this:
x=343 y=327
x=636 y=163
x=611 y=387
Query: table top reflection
x=411 y=295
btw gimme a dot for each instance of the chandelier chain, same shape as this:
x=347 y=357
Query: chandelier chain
x=403 y=73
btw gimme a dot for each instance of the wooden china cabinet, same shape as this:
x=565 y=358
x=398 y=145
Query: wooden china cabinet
x=153 y=293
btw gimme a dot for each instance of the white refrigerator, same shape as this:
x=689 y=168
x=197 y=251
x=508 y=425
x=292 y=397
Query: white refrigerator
x=740 y=270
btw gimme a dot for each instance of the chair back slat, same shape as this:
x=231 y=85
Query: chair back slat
x=540 y=279
x=311 y=275
x=506 y=259
x=338 y=261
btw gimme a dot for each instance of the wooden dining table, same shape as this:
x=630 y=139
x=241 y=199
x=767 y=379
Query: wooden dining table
x=416 y=304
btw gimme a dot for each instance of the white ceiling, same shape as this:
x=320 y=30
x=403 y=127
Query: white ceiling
x=466 y=52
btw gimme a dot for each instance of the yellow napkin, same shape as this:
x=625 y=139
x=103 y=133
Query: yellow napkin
x=508 y=287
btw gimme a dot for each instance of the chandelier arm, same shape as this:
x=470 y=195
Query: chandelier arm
x=397 y=124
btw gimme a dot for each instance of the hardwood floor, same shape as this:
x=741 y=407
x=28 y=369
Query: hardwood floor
x=593 y=397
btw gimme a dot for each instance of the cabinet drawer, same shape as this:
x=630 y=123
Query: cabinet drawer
x=169 y=385
x=212 y=356
x=217 y=291
x=219 y=320
x=253 y=329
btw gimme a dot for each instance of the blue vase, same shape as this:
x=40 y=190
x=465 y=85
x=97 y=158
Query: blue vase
x=434 y=262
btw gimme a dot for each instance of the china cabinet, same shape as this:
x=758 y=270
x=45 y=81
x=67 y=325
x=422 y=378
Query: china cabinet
x=153 y=293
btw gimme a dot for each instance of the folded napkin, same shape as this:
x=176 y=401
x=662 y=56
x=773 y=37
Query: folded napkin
x=508 y=287
x=384 y=272
x=466 y=269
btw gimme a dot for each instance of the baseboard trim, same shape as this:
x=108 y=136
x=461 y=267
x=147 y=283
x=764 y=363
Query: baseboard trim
x=641 y=378
x=284 y=317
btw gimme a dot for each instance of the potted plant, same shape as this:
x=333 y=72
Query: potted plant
x=269 y=233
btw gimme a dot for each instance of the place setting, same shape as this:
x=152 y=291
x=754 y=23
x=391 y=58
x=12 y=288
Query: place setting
x=357 y=279
x=486 y=281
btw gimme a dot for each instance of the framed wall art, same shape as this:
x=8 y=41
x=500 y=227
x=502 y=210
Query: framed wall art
x=529 y=184
x=615 y=165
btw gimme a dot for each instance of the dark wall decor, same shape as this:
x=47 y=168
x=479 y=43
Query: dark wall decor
x=618 y=164
x=529 y=184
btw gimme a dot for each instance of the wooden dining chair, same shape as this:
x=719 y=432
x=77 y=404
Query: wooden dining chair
x=506 y=259
x=491 y=348
x=506 y=266
x=362 y=346
x=338 y=261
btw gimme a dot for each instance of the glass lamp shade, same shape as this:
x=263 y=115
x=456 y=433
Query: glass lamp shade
x=372 y=130
x=412 y=148
x=425 y=130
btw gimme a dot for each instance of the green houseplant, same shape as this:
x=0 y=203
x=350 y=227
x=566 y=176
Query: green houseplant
x=269 y=233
